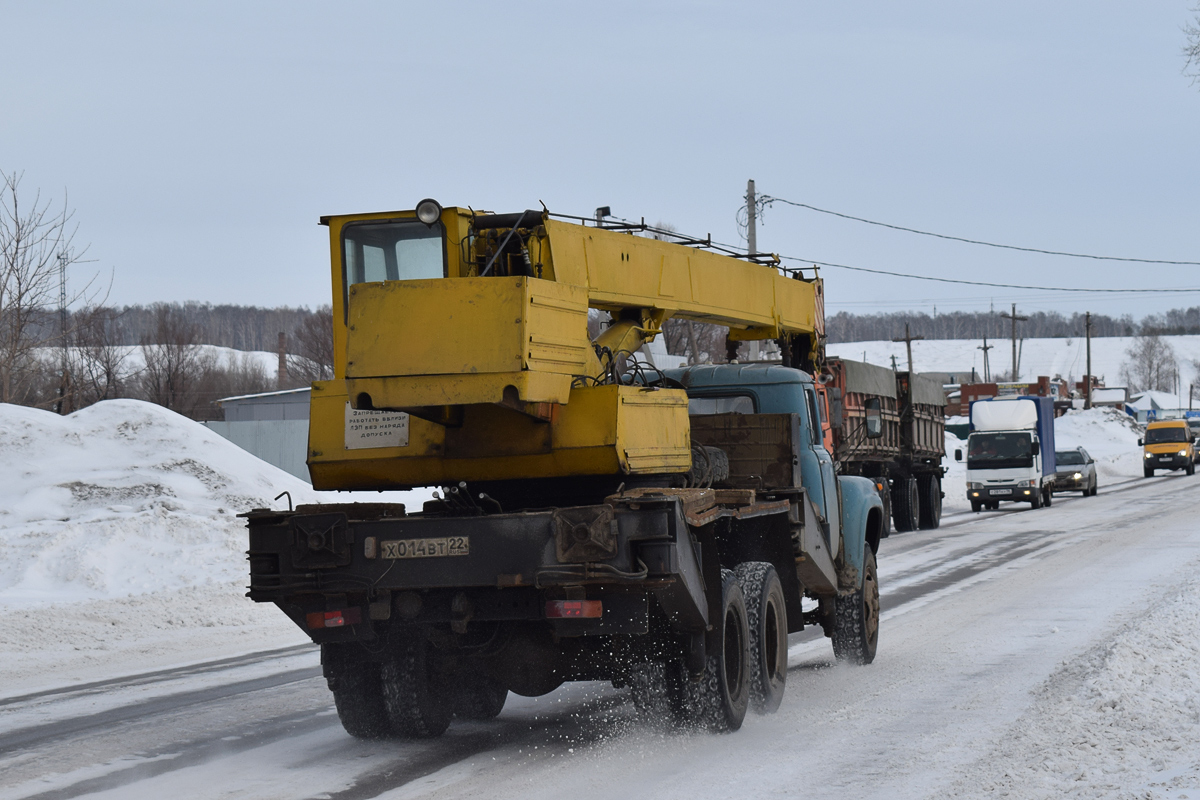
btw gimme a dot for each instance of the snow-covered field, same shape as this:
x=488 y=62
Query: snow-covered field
x=1029 y=654
x=1051 y=357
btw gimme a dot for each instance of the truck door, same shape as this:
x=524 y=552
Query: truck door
x=828 y=480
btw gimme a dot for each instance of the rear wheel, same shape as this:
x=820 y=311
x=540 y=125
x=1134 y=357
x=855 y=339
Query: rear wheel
x=905 y=504
x=930 y=493
x=413 y=692
x=719 y=699
x=1047 y=498
x=766 y=614
x=856 y=618
x=480 y=697
x=357 y=691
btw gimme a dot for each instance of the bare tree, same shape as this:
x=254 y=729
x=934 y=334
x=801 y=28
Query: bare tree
x=313 y=337
x=1191 y=51
x=174 y=361
x=1150 y=365
x=99 y=361
x=36 y=241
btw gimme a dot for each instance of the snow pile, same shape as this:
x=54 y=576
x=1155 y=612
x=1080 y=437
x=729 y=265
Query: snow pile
x=1110 y=436
x=123 y=498
x=1122 y=720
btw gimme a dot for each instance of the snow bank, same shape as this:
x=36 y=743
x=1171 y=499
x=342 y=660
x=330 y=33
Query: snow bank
x=1121 y=720
x=123 y=498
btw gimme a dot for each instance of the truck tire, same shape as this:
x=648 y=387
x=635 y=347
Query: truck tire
x=416 y=701
x=905 y=504
x=766 y=613
x=480 y=696
x=856 y=618
x=656 y=688
x=976 y=505
x=1047 y=498
x=357 y=691
x=930 y=493
x=718 y=701
x=1036 y=501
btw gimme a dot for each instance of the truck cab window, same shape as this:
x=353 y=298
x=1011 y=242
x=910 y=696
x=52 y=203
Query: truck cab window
x=814 y=423
x=734 y=404
x=393 y=251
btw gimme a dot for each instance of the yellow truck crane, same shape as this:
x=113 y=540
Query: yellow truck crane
x=596 y=518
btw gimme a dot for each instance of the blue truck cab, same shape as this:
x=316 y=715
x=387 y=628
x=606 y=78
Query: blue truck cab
x=848 y=510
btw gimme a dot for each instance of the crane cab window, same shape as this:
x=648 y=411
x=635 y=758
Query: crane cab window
x=733 y=404
x=393 y=251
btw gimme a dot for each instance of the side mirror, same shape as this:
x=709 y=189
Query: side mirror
x=958 y=455
x=874 y=419
x=1037 y=447
x=1140 y=442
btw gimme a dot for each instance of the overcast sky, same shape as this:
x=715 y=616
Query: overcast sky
x=200 y=142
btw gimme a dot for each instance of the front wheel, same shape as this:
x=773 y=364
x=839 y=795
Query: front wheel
x=976 y=505
x=1148 y=472
x=1191 y=468
x=766 y=613
x=856 y=618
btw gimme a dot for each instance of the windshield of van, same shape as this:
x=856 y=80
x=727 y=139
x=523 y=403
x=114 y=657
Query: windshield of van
x=1163 y=435
x=1069 y=457
x=999 y=451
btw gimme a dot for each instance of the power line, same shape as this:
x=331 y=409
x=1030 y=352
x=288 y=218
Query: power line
x=985 y=283
x=766 y=200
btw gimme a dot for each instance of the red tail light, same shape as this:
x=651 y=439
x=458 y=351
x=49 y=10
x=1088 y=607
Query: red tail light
x=573 y=609
x=334 y=619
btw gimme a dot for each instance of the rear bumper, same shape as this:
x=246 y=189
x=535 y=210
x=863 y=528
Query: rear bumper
x=385 y=568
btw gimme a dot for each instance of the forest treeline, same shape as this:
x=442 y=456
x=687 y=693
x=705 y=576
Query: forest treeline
x=845 y=327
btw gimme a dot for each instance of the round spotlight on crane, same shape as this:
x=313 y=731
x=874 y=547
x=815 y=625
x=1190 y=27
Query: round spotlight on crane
x=429 y=211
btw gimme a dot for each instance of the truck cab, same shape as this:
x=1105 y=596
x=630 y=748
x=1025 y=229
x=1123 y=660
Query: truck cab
x=1010 y=452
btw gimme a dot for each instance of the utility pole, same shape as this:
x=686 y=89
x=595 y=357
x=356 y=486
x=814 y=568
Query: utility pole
x=908 y=339
x=893 y=363
x=60 y=407
x=1087 y=329
x=752 y=246
x=987 y=372
x=1015 y=319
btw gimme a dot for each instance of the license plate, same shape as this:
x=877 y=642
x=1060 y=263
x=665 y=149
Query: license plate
x=426 y=548
x=999 y=491
x=1165 y=458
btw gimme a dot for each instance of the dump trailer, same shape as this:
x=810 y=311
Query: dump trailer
x=592 y=521
x=1010 y=452
x=890 y=427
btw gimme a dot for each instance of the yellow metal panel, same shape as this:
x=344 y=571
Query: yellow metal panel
x=458 y=390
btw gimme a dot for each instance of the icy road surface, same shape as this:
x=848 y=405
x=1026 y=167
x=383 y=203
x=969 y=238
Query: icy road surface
x=1030 y=653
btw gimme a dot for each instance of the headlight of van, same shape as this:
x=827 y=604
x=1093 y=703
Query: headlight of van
x=1149 y=455
x=1183 y=452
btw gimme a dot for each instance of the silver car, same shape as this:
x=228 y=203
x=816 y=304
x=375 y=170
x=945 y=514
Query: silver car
x=1076 y=472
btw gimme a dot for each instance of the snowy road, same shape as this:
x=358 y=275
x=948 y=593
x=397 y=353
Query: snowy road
x=1000 y=669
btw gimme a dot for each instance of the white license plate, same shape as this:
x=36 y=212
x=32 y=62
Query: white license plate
x=999 y=491
x=1165 y=458
x=426 y=548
